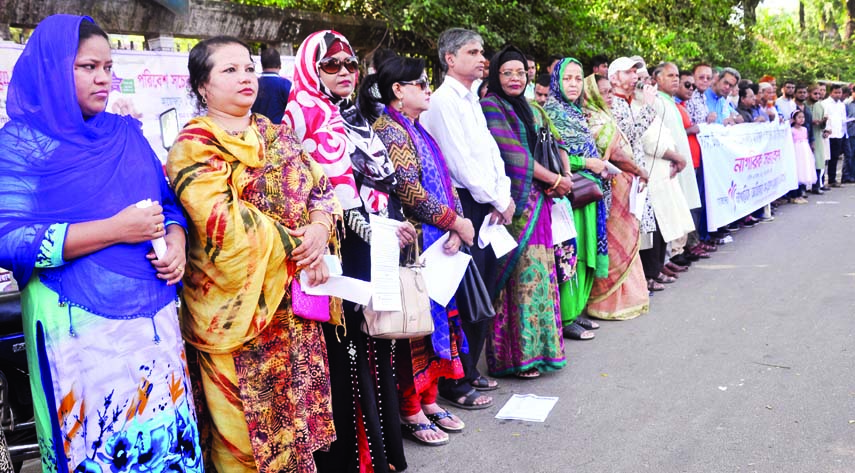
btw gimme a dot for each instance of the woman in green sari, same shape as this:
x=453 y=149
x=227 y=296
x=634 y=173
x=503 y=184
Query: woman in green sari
x=564 y=108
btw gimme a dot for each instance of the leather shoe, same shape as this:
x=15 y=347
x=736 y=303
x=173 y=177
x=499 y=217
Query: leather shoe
x=825 y=188
x=681 y=260
x=676 y=268
x=668 y=272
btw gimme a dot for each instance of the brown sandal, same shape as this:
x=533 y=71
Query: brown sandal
x=654 y=286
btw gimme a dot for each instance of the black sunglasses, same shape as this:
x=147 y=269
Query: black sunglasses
x=422 y=83
x=332 y=65
x=689 y=85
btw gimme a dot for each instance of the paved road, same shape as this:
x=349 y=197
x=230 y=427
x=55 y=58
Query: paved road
x=744 y=365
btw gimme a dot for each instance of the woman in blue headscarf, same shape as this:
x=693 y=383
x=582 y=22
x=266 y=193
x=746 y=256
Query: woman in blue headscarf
x=107 y=363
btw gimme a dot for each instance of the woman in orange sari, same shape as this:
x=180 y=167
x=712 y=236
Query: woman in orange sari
x=260 y=210
x=623 y=293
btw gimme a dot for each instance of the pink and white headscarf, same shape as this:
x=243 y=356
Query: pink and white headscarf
x=336 y=143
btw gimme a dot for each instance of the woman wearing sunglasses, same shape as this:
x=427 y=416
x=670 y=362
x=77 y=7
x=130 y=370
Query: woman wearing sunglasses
x=430 y=202
x=340 y=139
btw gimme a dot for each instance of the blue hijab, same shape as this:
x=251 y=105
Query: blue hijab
x=57 y=167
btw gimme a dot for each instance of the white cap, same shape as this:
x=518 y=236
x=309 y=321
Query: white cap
x=624 y=64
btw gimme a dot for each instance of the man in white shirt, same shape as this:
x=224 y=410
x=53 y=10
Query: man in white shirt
x=835 y=110
x=457 y=123
x=786 y=103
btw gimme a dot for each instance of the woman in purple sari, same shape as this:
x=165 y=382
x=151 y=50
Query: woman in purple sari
x=526 y=338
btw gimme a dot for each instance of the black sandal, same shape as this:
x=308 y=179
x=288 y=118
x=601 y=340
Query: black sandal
x=469 y=401
x=409 y=431
x=575 y=331
x=444 y=414
x=587 y=323
x=482 y=383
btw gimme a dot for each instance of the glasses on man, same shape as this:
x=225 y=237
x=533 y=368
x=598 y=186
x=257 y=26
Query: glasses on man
x=689 y=85
x=509 y=74
x=333 y=65
x=420 y=83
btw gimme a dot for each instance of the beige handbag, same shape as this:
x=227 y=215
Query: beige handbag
x=414 y=320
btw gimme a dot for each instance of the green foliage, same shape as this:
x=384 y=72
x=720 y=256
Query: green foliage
x=684 y=32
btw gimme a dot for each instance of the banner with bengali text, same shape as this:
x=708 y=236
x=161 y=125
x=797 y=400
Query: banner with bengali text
x=144 y=84
x=746 y=166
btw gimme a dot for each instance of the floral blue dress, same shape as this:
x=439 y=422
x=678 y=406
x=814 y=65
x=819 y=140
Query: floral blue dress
x=111 y=395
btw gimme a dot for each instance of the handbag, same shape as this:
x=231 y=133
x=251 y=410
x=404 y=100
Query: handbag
x=309 y=307
x=546 y=151
x=584 y=191
x=473 y=300
x=414 y=320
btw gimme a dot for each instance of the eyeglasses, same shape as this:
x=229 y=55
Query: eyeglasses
x=510 y=74
x=332 y=65
x=689 y=85
x=421 y=83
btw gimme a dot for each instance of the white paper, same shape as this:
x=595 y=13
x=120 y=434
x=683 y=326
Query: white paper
x=497 y=236
x=612 y=169
x=443 y=272
x=563 y=226
x=528 y=407
x=385 y=255
x=158 y=243
x=637 y=200
x=348 y=288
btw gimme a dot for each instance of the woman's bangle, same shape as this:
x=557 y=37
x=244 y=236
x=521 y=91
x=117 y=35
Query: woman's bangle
x=326 y=225
x=557 y=181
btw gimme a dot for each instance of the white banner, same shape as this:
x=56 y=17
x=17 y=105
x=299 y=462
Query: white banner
x=745 y=167
x=145 y=84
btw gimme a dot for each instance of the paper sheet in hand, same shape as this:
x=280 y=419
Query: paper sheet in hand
x=497 y=236
x=385 y=254
x=348 y=288
x=612 y=169
x=443 y=272
x=527 y=407
x=637 y=200
x=563 y=226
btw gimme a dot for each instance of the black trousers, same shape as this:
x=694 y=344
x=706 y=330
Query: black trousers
x=836 y=146
x=476 y=334
x=653 y=259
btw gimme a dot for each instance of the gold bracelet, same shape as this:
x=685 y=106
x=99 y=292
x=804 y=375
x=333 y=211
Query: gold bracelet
x=555 y=184
x=326 y=226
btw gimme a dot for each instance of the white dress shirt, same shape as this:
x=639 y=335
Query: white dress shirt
x=836 y=113
x=456 y=122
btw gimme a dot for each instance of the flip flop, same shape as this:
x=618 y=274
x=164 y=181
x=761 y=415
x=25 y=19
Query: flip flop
x=444 y=414
x=587 y=323
x=575 y=331
x=528 y=374
x=409 y=431
x=482 y=383
x=469 y=401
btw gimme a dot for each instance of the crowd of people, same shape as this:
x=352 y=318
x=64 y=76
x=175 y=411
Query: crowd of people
x=249 y=381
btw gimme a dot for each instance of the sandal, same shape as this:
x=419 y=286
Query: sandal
x=482 y=383
x=654 y=286
x=468 y=401
x=575 y=331
x=528 y=374
x=409 y=431
x=664 y=279
x=436 y=417
x=587 y=323
x=667 y=272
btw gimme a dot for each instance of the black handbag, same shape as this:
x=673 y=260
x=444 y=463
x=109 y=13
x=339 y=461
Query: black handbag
x=546 y=151
x=473 y=300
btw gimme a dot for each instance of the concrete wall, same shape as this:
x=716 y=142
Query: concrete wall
x=206 y=18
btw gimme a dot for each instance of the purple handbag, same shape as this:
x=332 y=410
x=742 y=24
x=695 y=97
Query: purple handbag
x=309 y=307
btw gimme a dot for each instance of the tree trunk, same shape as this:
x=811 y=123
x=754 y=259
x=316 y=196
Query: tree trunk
x=801 y=15
x=850 y=21
x=749 y=13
